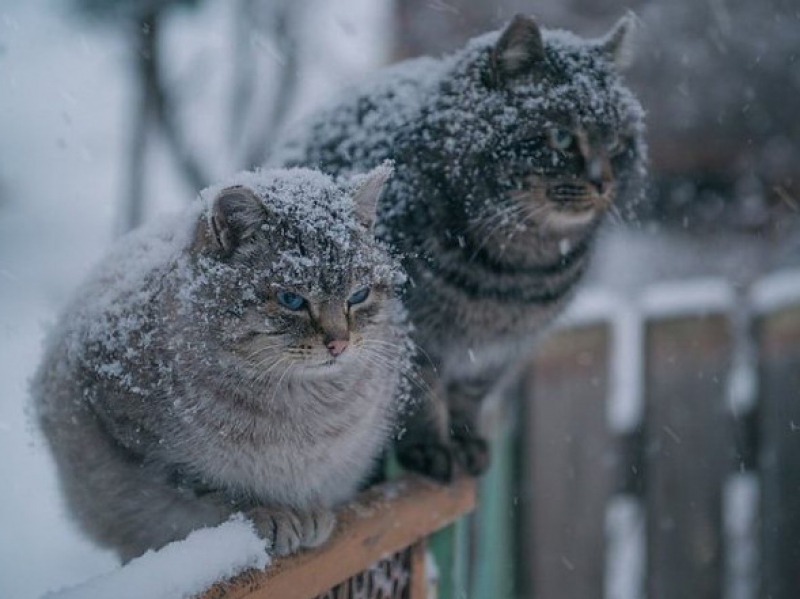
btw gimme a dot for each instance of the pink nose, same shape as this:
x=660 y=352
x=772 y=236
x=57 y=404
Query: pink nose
x=337 y=346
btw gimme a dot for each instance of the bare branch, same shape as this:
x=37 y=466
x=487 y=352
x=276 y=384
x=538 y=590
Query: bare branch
x=244 y=72
x=284 y=33
x=134 y=190
x=152 y=78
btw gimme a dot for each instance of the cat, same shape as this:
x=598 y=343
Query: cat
x=509 y=154
x=244 y=356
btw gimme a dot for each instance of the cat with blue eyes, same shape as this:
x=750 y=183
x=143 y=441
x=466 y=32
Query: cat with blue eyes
x=510 y=154
x=246 y=356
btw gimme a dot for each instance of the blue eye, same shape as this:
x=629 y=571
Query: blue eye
x=290 y=300
x=561 y=139
x=359 y=296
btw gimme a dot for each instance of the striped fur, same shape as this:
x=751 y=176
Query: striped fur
x=508 y=154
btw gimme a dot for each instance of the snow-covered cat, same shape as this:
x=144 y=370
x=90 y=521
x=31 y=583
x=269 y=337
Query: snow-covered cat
x=244 y=356
x=509 y=154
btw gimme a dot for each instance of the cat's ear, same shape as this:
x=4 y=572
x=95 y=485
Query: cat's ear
x=237 y=213
x=519 y=49
x=618 y=45
x=367 y=192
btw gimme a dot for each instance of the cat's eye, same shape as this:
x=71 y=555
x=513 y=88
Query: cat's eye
x=561 y=139
x=358 y=297
x=290 y=300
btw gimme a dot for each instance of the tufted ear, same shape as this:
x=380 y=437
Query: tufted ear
x=518 y=50
x=236 y=214
x=368 y=191
x=619 y=43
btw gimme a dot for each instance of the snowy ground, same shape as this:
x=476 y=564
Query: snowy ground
x=59 y=144
x=64 y=94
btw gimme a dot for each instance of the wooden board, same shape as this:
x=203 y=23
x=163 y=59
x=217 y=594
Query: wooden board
x=380 y=522
x=779 y=407
x=687 y=453
x=569 y=456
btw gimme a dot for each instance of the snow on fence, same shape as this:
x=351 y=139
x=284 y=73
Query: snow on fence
x=181 y=569
x=378 y=551
x=662 y=446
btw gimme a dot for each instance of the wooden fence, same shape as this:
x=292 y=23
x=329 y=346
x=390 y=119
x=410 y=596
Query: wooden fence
x=661 y=452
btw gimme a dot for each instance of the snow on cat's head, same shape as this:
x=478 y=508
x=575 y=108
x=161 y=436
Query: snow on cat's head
x=288 y=265
x=542 y=120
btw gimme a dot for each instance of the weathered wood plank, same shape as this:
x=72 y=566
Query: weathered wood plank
x=568 y=450
x=778 y=334
x=380 y=522
x=688 y=454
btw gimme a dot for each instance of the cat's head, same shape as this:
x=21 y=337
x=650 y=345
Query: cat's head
x=292 y=275
x=547 y=133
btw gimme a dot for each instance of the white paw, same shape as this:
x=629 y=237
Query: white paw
x=287 y=530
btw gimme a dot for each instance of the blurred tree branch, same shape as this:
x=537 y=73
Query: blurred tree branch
x=155 y=94
x=281 y=23
x=140 y=128
x=253 y=123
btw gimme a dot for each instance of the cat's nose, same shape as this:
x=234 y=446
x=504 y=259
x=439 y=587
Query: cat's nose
x=597 y=175
x=336 y=346
x=599 y=185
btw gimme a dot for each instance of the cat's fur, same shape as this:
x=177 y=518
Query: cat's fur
x=494 y=220
x=176 y=391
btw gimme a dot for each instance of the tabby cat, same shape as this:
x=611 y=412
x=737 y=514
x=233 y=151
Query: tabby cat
x=509 y=154
x=245 y=356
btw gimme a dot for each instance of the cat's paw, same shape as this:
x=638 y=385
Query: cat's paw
x=434 y=460
x=472 y=454
x=287 y=530
x=317 y=526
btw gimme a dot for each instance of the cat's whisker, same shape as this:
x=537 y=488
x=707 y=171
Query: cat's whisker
x=517 y=211
x=486 y=227
x=412 y=376
x=378 y=362
x=262 y=350
x=491 y=220
x=369 y=343
x=417 y=348
x=526 y=213
x=500 y=217
x=532 y=210
x=477 y=228
x=277 y=389
x=266 y=360
x=267 y=374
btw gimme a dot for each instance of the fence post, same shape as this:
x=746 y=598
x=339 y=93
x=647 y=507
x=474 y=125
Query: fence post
x=688 y=438
x=570 y=465
x=777 y=298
